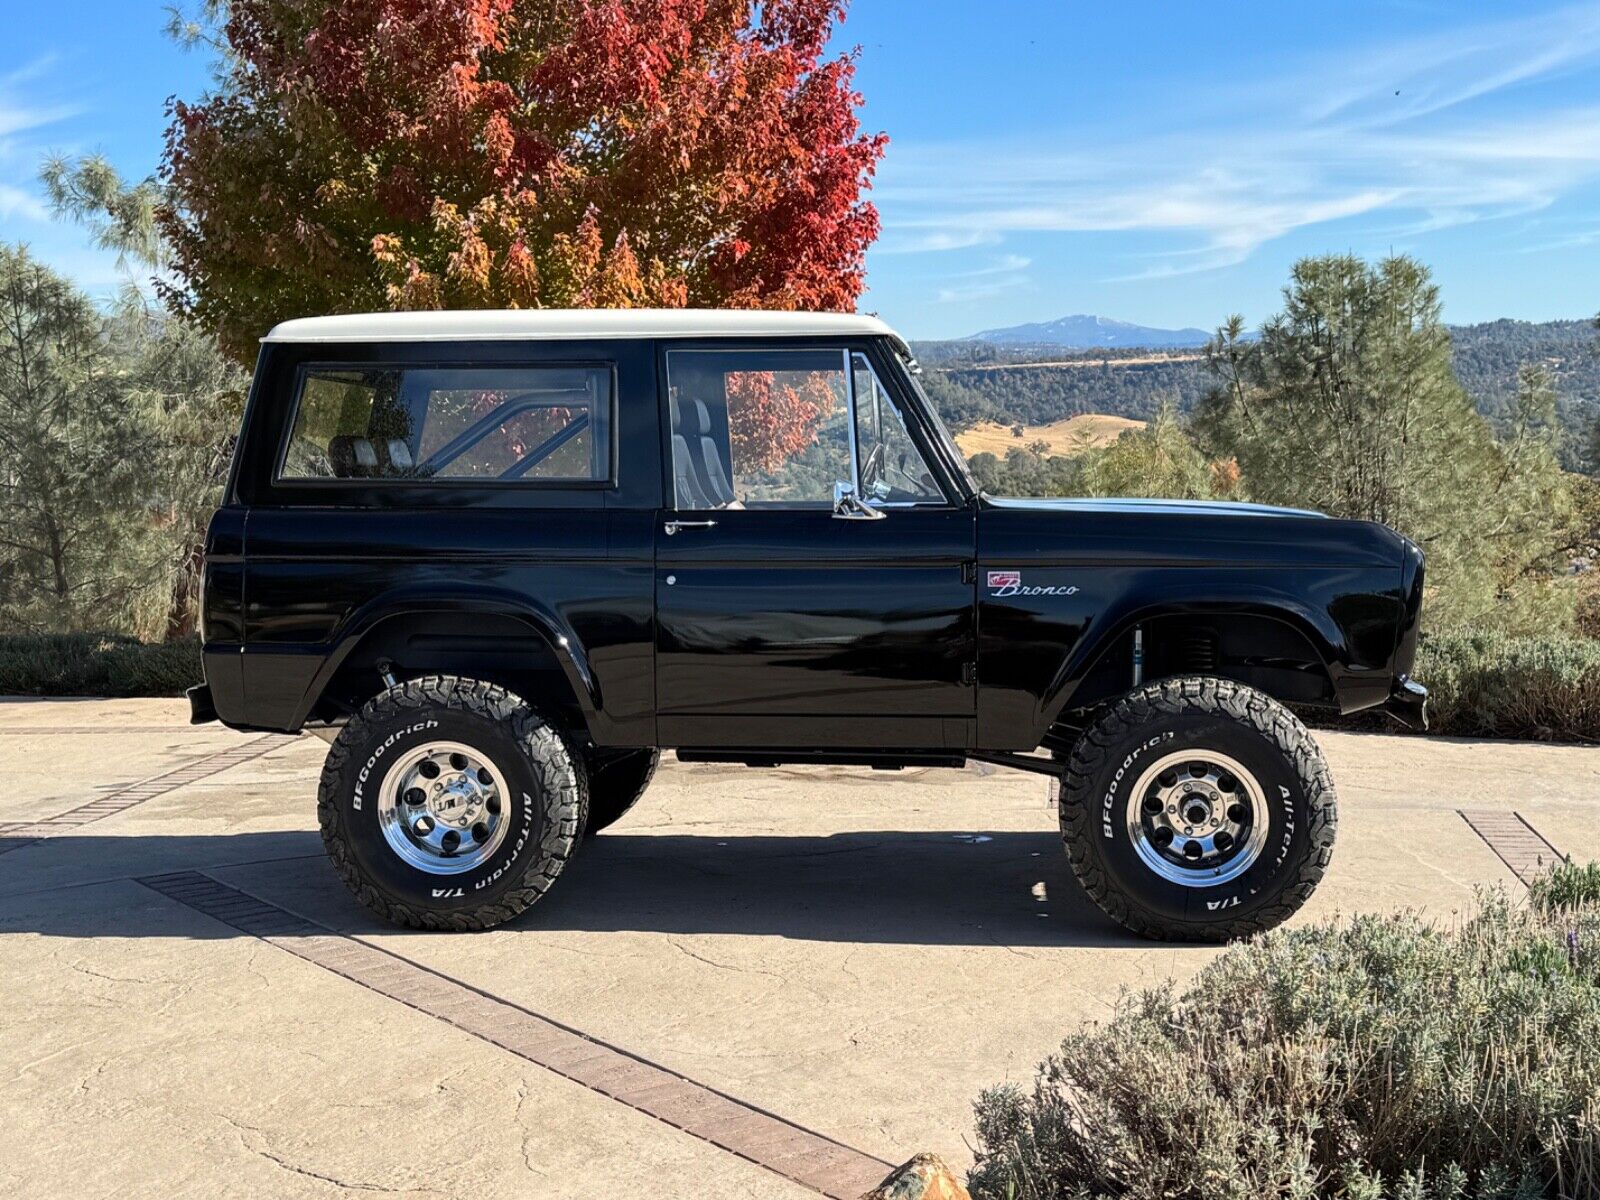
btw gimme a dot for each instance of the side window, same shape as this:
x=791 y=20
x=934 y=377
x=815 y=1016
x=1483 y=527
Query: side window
x=893 y=470
x=757 y=428
x=477 y=424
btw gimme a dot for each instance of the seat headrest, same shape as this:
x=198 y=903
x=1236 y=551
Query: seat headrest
x=702 y=418
x=351 y=457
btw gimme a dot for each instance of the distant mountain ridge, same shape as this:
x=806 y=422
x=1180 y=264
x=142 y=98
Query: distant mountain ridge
x=1086 y=332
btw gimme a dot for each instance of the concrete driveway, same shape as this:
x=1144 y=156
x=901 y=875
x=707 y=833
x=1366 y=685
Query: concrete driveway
x=824 y=965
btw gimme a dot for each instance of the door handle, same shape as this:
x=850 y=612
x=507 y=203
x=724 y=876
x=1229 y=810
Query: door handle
x=672 y=527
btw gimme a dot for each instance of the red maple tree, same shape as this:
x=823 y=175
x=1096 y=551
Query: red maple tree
x=370 y=154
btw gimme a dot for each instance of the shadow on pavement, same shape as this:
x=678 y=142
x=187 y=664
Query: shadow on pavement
x=923 y=888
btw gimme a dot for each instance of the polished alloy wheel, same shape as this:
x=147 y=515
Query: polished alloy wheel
x=1197 y=818
x=442 y=808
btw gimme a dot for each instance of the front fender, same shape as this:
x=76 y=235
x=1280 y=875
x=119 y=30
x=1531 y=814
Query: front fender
x=1318 y=628
x=1036 y=651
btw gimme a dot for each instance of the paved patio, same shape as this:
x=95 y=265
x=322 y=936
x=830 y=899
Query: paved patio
x=850 y=955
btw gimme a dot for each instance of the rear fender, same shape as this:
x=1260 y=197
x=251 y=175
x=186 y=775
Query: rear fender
x=542 y=622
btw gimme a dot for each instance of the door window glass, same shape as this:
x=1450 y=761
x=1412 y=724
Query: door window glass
x=478 y=424
x=757 y=428
x=893 y=470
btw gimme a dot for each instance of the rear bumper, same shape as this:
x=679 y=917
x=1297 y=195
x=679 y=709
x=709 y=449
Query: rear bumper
x=202 y=709
x=1408 y=703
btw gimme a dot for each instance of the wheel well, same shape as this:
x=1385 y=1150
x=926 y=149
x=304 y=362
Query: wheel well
x=491 y=647
x=1266 y=653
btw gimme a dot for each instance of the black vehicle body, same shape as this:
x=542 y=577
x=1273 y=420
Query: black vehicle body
x=943 y=631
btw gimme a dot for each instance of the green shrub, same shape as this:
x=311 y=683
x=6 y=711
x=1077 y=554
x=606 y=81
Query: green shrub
x=1484 y=684
x=1566 y=887
x=83 y=664
x=1380 y=1058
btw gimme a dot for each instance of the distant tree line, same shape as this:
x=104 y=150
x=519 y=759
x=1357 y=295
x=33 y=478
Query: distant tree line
x=971 y=384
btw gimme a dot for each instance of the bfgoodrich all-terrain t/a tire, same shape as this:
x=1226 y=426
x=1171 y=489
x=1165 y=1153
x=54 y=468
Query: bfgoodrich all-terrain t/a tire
x=450 y=804
x=1198 y=809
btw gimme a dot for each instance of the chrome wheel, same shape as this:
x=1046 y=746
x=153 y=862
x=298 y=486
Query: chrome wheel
x=442 y=808
x=1197 y=818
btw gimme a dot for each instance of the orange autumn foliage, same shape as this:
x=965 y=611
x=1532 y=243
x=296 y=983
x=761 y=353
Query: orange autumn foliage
x=389 y=154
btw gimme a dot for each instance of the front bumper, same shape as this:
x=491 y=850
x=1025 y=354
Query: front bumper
x=1408 y=704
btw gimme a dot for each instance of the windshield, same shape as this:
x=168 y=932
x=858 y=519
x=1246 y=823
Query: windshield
x=913 y=372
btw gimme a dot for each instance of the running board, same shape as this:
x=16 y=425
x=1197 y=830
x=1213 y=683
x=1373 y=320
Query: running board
x=1020 y=762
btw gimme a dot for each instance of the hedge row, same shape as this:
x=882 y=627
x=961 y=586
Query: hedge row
x=1381 y=1058
x=82 y=664
x=1490 y=685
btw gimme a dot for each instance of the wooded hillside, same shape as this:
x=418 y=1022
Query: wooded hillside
x=976 y=381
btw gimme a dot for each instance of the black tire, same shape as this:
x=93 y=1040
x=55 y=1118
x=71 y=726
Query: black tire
x=546 y=793
x=616 y=781
x=1200 y=713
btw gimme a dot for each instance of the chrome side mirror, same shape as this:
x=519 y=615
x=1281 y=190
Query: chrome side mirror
x=847 y=506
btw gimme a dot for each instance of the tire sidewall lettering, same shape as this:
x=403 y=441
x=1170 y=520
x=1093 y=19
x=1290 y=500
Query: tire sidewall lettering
x=1109 y=800
x=387 y=871
x=1283 y=790
x=358 y=796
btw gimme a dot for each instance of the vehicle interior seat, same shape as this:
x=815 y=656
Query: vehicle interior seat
x=352 y=457
x=685 y=479
x=400 y=460
x=713 y=473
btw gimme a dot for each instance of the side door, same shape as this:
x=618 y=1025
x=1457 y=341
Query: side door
x=783 y=619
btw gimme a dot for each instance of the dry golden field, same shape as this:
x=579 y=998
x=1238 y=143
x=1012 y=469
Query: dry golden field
x=1065 y=437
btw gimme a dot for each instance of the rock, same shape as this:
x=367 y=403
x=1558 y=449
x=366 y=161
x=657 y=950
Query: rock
x=925 y=1177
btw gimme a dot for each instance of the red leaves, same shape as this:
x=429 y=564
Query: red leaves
x=486 y=153
x=770 y=420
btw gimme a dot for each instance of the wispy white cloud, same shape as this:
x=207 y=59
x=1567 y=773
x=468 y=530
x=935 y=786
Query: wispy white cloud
x=14 y=202
x=1005 y=275
x=26 y=108
x=1421 y=76
x=1267 y=163
x=939 y=240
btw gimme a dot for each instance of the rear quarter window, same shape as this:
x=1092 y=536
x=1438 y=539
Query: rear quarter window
x=480 y=425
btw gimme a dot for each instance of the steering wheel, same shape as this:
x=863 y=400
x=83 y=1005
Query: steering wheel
x=872 y=468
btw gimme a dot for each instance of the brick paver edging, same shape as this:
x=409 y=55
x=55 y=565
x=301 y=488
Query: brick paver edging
x=769 y=1141
x=1517 y=843
x=16 y=835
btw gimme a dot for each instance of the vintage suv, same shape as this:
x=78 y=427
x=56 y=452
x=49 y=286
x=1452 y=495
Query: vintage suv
x=512 y=556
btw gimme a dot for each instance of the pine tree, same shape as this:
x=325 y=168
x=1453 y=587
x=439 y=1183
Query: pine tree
x=74 y=550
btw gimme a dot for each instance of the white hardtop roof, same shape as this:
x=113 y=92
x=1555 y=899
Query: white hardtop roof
x=576 y=323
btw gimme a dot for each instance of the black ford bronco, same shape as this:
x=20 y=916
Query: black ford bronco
x=511 y=556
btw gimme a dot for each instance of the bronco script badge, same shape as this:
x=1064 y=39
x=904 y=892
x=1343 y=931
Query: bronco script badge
x=1009 y=583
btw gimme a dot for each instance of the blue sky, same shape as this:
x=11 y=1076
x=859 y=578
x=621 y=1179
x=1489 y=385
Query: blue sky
x=1159 y=163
